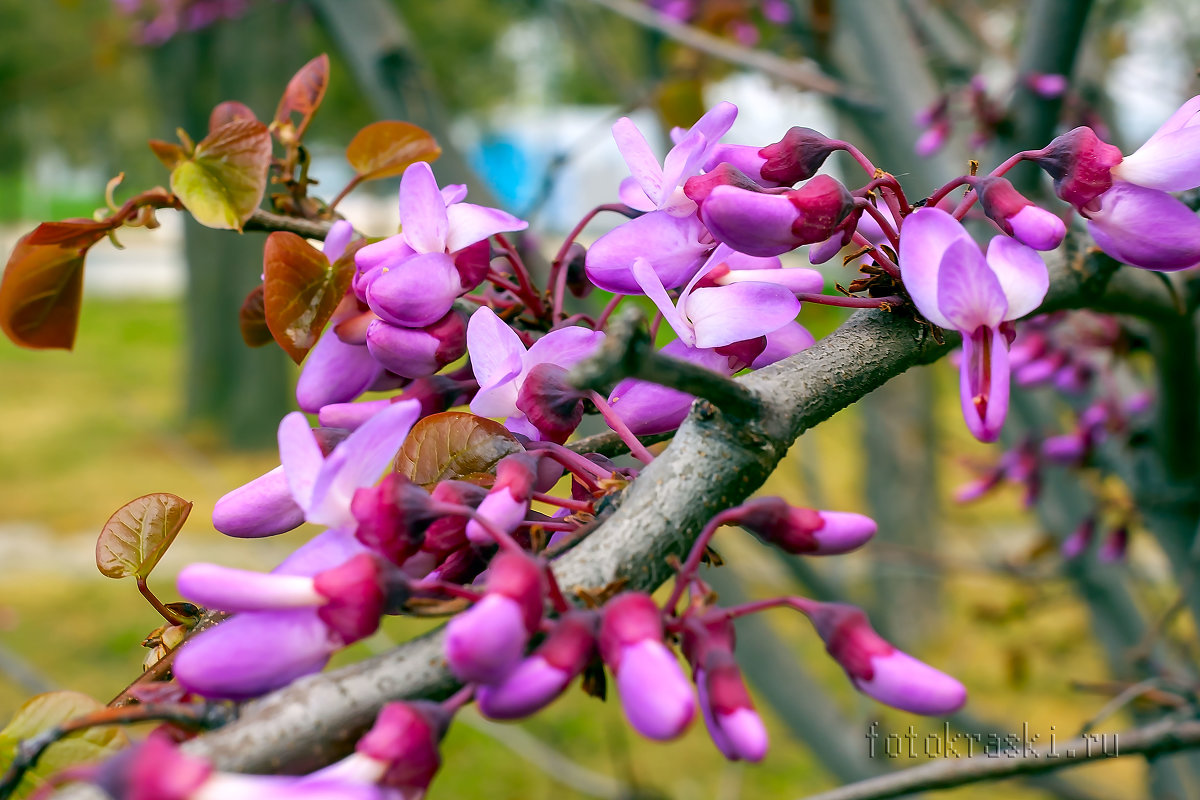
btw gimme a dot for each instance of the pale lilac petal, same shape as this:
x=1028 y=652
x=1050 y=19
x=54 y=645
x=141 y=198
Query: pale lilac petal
x=652 y=287
x=655 y=695
x=301 y=457
x=984 y=383
x=1170 y=163
x=969 y=293
x=359 y=461
x=497 y=356
x=336 y=240
x=643 y=164
x=228 y=589
x=723 y=315
x=350 y=415
x=422 y=209
x=650 y=408
x=1022 y=274
x=1146 y=228
x=903 y=682
x=471 y=223
x=251 y=654
x=1038 y=228
x=743 y=158
x=671 y=244
x=263 y=507
x=1187 y=115
x=529 y=687
x=821 y=252
x=564 y=347
x=784 y=342
x=502 y=510
x=334 y=546
x=716 y=122
x=724 y=254
x=334 y=372
x=519 y=423
x=387 y=252
x=795 y=279
x=928 y=233
x=454 y=193
x=682 y=162
x=416 y=292
x=631 y=194
x=842 y=532
x=750 y=222
x=485 y=643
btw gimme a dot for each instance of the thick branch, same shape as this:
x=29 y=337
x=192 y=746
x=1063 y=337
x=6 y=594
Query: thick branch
x=262 y=220
x=1166 y=736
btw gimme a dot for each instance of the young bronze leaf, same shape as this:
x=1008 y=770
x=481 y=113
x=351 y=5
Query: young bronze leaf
x=384 y=149
x=169 y=153
x=304 y=91
x=46 y=711
x=453 y=444
x=138 y=533
x=301 y=289
x=227 y=112
x=71 y=232
x=224 y=180
x=41 y=291
x=252 y=319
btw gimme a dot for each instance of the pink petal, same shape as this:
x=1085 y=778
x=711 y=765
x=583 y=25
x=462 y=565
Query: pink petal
x=529 y=687
x=263 y=507
x=723 y=315
x=416 y=292
x=410 y=352
x=671 y=244
x=750 y=222
x=1170 y=163
x=336 y=240
x=795 y=279
x=350 y=415
x=901 y=681
x=652 y=287
x=564 y=347
x=643 y=164
x=334 y=372
x=471 y=223
x=786 y=341
x=485 y=643
x=716 y=122
x=228 y=589
x=969 y=293
x=496 y=358
x=385 y=253
x=924 y=240
x=1022 y=275
x=655 y=695
x=631 y=194
x=301 y=457
x=1146 y=228
x=422 y=209
x=682 y=162
x=984 y=382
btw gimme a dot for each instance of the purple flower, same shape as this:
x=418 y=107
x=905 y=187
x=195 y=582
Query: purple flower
x=735 y=727
x=542 y=677
x=502 y=364
x=804 y=531
x=418 y=352
x=1017 y=216
x=771 y=222
x=879 y=670
x=655 y=694
x=955 y=287
x=650 y=408
x=411 y=279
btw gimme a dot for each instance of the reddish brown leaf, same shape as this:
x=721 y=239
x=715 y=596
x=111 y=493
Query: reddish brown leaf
x=304 y=91
x=453 y=444
x=252 y=319
x=138 y=533
x=42 y=289
x=227 y=112
x=384 y=149
x=170 y=154
x=301 y=289
x=71 y=233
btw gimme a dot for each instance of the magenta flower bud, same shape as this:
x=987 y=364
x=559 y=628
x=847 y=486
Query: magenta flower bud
x=449 y=533
x=655 y=694
x=263 y=507
x=541 y=678
x=760 y=223
x=797 y=156
x=1080 y=164
x=1047 y=84
x=1080 y=539
x=1069 y=448
x=698 y=187
x=507 y=503
x=735 y=727
x=804 y=531
x=393 y=516
x=1017 y=216
x=356 y=597
x=418 y=352
x=405 y=738
x=1115 y=546
x=932 y=138
x=746 y=159
x=485 y=643
x=154 y=769
x=550 y=402
x=879 y=670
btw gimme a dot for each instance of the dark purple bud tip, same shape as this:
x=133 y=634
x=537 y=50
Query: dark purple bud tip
x=822 y=204
x=1081 y=166
x=393 y=517
x=574 y=263
x=405 y=737
x=797 y=156
x=356 y=594
x=552 y=404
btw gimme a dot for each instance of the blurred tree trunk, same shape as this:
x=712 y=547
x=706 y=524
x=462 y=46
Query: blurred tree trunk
x=238 y=392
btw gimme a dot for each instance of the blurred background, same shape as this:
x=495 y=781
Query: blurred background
x=160 y=394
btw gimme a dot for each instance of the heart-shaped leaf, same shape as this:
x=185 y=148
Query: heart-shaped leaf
x=43 y=286
x=304 y=91
x=227 y=112
x=252 y=319
x=138 y=533
x=223 y=181
x=44 y=712
x=384 y=149
x=453 y=444
x=301 y=289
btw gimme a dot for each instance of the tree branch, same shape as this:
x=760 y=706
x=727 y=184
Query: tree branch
x=1166 y=736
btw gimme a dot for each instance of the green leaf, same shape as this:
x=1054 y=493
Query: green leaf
x=223 y=181
x=46 y=711
x=138 y=533
x=301 y=289
x=43 y=285
x=453 y=444
x=384 y=149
